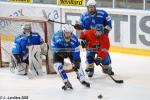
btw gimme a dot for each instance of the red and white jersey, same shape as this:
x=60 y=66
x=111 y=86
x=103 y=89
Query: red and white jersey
x=102 y=42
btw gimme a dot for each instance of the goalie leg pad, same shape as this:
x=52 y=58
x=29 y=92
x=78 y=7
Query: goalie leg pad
x=35 y=60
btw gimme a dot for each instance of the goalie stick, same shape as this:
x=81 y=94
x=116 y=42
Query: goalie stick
x=117 y=81
x=12 y=69
x=7 y=52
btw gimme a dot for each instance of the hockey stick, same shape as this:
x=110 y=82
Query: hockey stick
x=117 y=81
x=49 y=20
x=12 y=69
x=9 y=54
x=58 y=22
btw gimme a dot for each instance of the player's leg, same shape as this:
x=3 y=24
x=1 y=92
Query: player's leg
x=107 y=65
x=79 y=72
x=90 y=55
x=58 y=66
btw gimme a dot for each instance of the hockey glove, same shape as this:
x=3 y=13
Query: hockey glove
x=106 y=31
x=98 y=60
x=63 y=54
x=77 y=27
x=97 y=46
x=76 y=65
x=44 y=49
x=83 y=43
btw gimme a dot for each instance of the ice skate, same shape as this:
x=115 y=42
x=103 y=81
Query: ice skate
x=86 y=84
x=67 y=86
x=89 y=72
x=108 y=70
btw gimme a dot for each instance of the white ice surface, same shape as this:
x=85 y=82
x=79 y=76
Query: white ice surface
x=134 y=70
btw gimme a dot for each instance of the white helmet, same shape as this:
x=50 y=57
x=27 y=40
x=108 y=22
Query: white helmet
x=26 y=26
x=91 y=3
x=67 y=28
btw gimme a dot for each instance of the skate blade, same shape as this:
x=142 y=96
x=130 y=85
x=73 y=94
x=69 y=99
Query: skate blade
x=66 y=89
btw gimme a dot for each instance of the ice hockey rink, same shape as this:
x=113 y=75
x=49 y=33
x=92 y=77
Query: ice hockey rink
x=133 y=69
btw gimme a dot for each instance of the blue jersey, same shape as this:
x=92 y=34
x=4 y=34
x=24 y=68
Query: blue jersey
x=22 y=41
x=100 y=19
x=58 y=43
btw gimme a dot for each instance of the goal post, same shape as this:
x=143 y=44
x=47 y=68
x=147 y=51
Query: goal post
x=11 y=27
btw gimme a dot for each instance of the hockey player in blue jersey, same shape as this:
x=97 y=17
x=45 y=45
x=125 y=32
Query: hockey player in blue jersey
x=66 y=45
x=95 y=19
x=20 y=47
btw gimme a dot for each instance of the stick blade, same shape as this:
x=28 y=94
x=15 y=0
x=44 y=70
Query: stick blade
x=119 y=81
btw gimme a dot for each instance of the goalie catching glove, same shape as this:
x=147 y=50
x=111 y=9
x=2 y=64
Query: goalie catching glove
x=76 y=65
x=44 y=49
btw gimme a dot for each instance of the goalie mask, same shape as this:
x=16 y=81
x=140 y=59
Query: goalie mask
x=26 y=29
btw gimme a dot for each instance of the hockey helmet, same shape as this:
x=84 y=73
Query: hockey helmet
x=26 y=26
x=67 y=28
x=91 y=3
x=91 y=7
x=67 y=31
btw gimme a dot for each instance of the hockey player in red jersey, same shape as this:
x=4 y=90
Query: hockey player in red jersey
x=97 y=50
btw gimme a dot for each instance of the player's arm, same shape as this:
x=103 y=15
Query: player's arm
x=107 y=24
x=40 y=39
x=81 y=25
x=75 y=48
x=57 y=46
x=55 y=43
x=75 y=53
x=16 y=50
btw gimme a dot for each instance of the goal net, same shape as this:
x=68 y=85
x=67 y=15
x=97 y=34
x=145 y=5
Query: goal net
x=11 y=27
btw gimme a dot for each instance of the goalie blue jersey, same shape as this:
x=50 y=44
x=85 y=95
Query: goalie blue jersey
x=100 y=19
x=59 y=43
x=21 y=42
